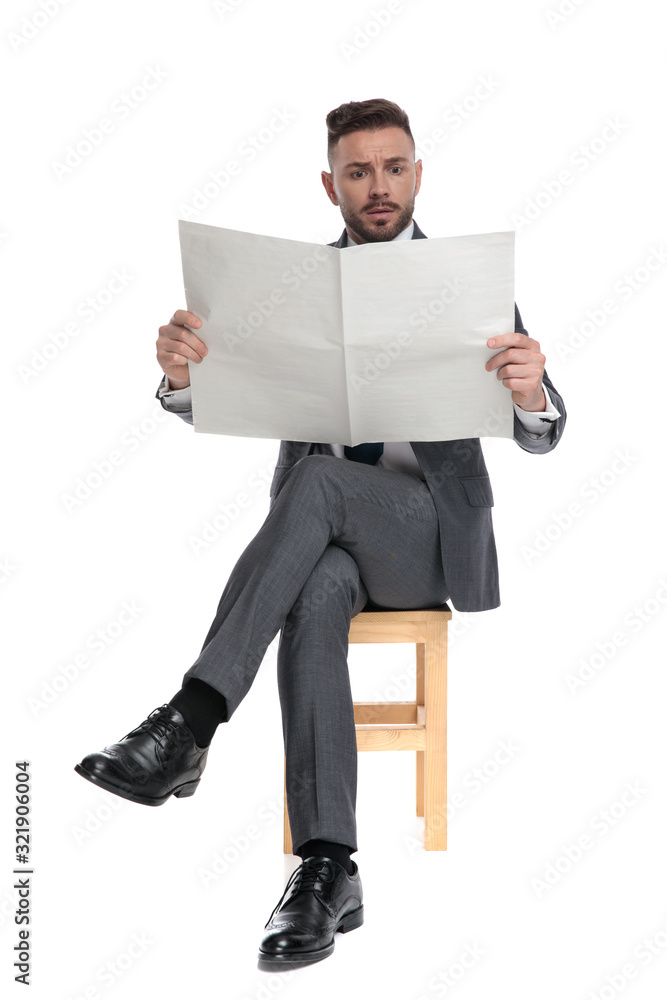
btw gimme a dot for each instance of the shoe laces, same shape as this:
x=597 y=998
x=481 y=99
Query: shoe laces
x=307 y=877
x=157 y=725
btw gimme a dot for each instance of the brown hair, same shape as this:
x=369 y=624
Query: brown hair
x=367 y=116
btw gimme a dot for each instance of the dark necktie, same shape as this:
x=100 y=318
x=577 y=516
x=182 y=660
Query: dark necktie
x=367 y=453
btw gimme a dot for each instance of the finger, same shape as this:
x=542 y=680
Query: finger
x=179 y=334
x=515 y=355
x=521 y=385
x=176 y=352
x=512 y=340
x=519 y=371
x=184 y=318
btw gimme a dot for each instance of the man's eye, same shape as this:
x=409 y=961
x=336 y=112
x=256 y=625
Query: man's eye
x=397 y=169
x=357 y=173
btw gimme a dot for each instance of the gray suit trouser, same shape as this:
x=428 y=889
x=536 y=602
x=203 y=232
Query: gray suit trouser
x=338 y=535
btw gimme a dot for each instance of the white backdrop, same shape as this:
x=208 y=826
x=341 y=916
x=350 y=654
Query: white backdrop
x=544 y=117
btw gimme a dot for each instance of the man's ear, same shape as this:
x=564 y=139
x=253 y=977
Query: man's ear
x=418 y=176
x=327 y=180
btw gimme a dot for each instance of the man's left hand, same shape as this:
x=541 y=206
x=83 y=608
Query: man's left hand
x=520 y=368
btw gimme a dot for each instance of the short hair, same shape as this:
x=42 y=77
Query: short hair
x=364 y=116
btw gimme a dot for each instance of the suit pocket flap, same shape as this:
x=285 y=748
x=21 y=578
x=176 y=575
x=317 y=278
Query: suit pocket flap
x=478 y=489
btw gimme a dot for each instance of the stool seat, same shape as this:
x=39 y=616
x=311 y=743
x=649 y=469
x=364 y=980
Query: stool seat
x=419 y=725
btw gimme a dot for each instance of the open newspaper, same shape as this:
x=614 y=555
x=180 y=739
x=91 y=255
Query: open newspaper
x=377 y=342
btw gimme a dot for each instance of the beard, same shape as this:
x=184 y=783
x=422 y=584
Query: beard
x=384 y=229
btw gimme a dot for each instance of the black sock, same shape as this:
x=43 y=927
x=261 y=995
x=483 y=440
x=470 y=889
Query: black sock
x=337 y=852
x=202 y=707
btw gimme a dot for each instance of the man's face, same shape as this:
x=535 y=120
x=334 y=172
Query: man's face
x=374 y=182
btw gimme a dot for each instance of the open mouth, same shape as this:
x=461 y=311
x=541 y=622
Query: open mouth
x=380 y=213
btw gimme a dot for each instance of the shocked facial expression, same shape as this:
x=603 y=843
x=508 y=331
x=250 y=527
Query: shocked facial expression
x=374 y=182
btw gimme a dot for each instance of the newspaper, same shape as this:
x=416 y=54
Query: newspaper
x=376 y=342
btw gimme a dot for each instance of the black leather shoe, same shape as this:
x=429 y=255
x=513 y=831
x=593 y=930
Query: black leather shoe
x=157 y=759
x=323 y=899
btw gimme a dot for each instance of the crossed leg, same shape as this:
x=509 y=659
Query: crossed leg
x=338 y=534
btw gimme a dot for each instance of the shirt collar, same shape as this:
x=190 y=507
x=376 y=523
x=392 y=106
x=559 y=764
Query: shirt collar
x=405 y=235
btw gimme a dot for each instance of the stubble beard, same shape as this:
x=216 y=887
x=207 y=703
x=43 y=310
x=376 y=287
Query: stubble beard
x=381 y=231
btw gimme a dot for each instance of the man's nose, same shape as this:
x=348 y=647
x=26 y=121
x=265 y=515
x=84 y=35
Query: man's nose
x=379 y=187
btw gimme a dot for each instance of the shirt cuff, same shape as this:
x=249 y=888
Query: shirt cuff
x=538 y=423
x=179 y=397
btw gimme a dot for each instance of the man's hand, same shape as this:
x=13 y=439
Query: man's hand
x=176 y=346
x=520 y=368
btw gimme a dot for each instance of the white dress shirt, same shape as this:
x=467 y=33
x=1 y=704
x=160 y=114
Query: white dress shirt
x=397 y=455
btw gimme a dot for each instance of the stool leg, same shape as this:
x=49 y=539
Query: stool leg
x=287 y=833
x=420 y=753
x=435 y=759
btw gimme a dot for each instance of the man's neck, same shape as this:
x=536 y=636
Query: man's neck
x=405 y=234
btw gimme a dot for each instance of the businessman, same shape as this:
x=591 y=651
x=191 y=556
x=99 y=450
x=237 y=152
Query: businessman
x=395 y=525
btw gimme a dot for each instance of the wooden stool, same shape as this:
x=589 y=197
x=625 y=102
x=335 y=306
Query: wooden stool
x=419 y=725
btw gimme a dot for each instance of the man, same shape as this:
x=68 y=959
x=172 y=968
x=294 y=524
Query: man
x=397 y=525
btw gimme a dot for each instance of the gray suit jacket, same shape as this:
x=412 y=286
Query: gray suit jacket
x=457 y=477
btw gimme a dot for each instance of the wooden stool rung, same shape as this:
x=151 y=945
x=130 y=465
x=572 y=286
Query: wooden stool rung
x=381 y=713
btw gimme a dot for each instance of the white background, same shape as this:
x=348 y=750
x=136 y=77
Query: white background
x=579 y=531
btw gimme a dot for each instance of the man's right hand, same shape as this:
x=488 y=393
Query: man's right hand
x=176 y=346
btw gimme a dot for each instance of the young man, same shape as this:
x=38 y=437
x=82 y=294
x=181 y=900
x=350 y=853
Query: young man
x=398 y=525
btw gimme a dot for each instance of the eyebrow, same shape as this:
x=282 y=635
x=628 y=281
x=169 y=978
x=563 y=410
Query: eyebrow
x=391 y=159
